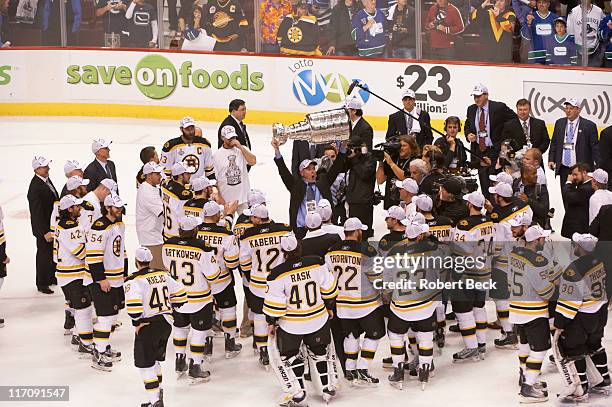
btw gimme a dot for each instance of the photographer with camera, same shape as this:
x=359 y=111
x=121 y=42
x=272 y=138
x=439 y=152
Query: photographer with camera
x=455 y=156
x=360 y=196
x=449 y=201
x=434 y=158
x=395 y=165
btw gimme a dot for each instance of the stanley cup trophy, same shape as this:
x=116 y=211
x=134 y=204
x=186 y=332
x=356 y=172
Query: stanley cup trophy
x=318 y=128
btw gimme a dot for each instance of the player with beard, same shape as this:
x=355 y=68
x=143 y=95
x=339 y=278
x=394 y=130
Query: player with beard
x=189 y=148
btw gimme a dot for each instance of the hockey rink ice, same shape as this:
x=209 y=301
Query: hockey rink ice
x=34 y=351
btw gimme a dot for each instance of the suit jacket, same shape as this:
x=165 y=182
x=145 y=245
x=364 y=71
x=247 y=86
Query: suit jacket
x=40 y=201
x=605 y=149
x=587 y=148
x=499 y=114
x=297 y=187
x=513 y=130
x=576 y=218
x=95 y=173
x=243 y=136
x=397 y=127
x=301 y=152
x=364 y=131
x=600 y=227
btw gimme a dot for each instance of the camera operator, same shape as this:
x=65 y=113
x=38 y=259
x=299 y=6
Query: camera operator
x=453 y=149
x=361 y=168
x=527 y=189
x=396 y=167
x=450 y=202
x=433 y=156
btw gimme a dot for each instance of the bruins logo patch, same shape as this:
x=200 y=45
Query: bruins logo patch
x=494 y=216
x=570 y=272
x=185 y=193
x=167 y=144
x=192 y=161
x=70 y=222
x=117 y=246
x=463 y=223
x=99 y=223
x=539 y=259
x=295 y=35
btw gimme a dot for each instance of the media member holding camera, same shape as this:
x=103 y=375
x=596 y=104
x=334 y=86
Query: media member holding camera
x=361 y=167
x=395 y=165
x=455 y=156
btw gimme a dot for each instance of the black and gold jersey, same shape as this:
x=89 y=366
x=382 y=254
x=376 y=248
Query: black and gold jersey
x=299 y=36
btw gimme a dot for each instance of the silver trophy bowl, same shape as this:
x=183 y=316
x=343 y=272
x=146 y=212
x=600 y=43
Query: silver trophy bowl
x=317 y=128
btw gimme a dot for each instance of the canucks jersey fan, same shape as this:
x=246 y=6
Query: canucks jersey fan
x=561 y=48
x=225 y=21
x=105 y=254
x=359 y=305
x=151 y=295
x=298 y=306
x=605 y=32
x=298 y=33
x=260 y=252
x=540 y=30
x=142 y=24
x=369 y=30
x=189 y=148
x=225 y=246
x=581 y=316
x=192 y=263
x=175 y=193
x=531 y=288
x=202 y=190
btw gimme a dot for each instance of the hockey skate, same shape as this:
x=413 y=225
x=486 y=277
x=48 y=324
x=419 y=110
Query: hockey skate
x=424 y=372
x=540 y=384
x=365 y=379
x=288 y=400
x=603 y=388
x=232 y=349
x=440 y=337
x=531 y=394
x=180 y=365
x=68 y=323
x=466 y=354
x=328 y=394
x=113 y=354
x=482 y=351
x=397 y=378
x=85 y=351
x=197 y=374
x=158 y=403
x=101 y=361
x=264 y=358
x=208 y=349
x=508 y=340
x=75 y=340
x=414 y=370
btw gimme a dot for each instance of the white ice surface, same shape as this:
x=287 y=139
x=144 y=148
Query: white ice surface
x=33 y=350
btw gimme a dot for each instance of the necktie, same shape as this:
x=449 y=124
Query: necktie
x=569 y=139
x=310 y=192
x=408 y=124
x=526 y=132
x=51 y=187
x=108 y=172
x=481 y=128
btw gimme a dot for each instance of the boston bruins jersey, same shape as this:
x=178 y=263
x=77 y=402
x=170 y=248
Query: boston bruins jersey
x=297 y=295
x=582 y=287
x=194 y=207
x=69 y=253
x=225 y=247
x=260 y=252
x=351 y=262
x=105 y=251
x=529 y=285
x=389 y=240
x=224 y=20
x=503 y=241
x=299 y=36
x=174 y=196
x=243 y=222
x=197 y=155
x=473 y=237
x=150 y=293
x=193 y=264
x=440 y=227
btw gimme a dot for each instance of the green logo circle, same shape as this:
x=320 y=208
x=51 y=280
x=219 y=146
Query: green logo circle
x=156 y=77
x=337 y=87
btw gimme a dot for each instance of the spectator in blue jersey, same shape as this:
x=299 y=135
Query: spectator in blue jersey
x=321 y=9
x=401 y=27
x=51 y=23
x=142 y=24
x=369 y=30
x=541 y=28
x=561 y=48
x=605 y=32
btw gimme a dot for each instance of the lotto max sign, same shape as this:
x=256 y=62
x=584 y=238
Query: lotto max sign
x=157 y=77
x=312 y=86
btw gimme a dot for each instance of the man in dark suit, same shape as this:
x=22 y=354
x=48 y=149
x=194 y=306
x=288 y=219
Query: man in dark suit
x=101 y=167
x=41 y=196
x=526 y=130
x=306 y=188
x=237 y=113
x=360 y=128
x=605 y=152
x=400 y=123
x=576 y=193
x=484 y=130
x=574 y=140
x=303 y=150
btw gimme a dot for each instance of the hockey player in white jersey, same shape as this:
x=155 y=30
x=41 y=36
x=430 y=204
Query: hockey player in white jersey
x=192 y=263
x=190 y=149
x=105 y=254
x=151 y=295
x=298 y=306
x=175 y=193
x=326 y=211
x=96 y=198
x=202 y=189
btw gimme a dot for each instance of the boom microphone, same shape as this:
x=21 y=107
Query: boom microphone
x=351 y=87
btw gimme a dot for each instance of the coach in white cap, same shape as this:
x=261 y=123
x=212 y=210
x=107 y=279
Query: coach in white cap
x=416 y=122
x=602 y=196
x=101 y=167
x=41 y=196
x=150 y=213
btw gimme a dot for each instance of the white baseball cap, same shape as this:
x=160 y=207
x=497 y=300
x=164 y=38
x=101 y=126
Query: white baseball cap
x=352 y=224
x=571 y=102
x=395 y=212
x=211 y=208
x=324 y=209
x=110 y=184
x=475 y=198
x=181 y=168
x=151 y=167
x=408 y=93
x=353 y=102
x=189 y=222
x=423 y=202
x=306 y=163
x=585 y=240
x=259 y=211
x=228 y=132
x=479 y=89
x=502 y=177
x=600 y=176
x=535 y=232
x=502 y=189
x=75 y=181
x=69 y=200
x=114 y=200
x=256 y=197
x=40 y=161
x=413 y=229
x=521 y=219
x=187 y=121
x=72 y=165
x=288 y=242
x=313 y=220
x=409 y=185
x=200 y=183
x=99 y=144
x=143 y=255
x=414 y=217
